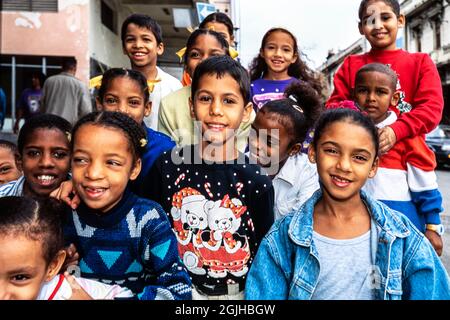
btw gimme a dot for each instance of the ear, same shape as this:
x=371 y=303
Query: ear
x=160 y=49
x=295 y=149
x=124 y=50
x=19 y=162
x=98 y=104
x=373 y=170
x=261 y=53
x=232 y=41
x=360 y=28
x=248 y=109
x=401 y=21
x=147 y=109
x=191 y=108
x=55 y=266
x=136 y=169
x=395 y=98
x=311 y=154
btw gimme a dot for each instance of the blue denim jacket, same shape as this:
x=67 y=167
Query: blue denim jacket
x=287 y=264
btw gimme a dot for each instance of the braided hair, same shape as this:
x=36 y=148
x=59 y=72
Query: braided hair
x=42 y=121
x=135 y=133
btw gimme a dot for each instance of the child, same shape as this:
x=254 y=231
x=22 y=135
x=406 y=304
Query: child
x=421 y=101
x=126 y=91
x=32 y=253
x=342 y=244
x=406 y=180
x=220 y=205
x=174 y=118
x=121 y=238
x=281 y=127
x=142 y=43
x=9 y=162
x=44 y=148
x=277 y=65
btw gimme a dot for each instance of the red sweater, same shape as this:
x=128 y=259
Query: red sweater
x=418 y=79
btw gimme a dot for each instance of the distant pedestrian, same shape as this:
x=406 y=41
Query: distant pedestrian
x=65 y=95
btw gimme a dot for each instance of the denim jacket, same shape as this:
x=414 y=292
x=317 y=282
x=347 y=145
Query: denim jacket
x=287 y=264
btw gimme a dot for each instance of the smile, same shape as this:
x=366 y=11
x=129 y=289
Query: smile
x=94 y=192
x=216 y=127
x=46 y=180
x=340 y=182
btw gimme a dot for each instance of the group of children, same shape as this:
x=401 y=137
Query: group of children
x=266 y=195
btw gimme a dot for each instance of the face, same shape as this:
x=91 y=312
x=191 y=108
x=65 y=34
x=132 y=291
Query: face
x=344 y=155
x=205 y=46
x=222 y=29
x=35 y=82
x=100 y=175
x=278 y=52
x=23 y=269
x=380 y=25
x=271 y=141
x=218 y=104
x=126 y=96
x=8 y=167
x=141 y=47
x=45 y=161
x=374 y=94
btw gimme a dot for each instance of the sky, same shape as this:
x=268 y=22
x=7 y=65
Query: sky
x=319 y=25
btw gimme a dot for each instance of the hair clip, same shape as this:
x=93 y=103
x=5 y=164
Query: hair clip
x=295 y=105
x=69 y=136
x=96 y=82
x=143 y=142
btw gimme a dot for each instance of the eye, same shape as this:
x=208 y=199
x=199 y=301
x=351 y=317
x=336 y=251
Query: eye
x=381 y=92
x=5 y=169
x=194 y=55
x=361 y=90
x=20 y=278
x=228 y=101
x=129 y=39
x=33 y=153
x=201 y=219
x=217 y=221
x=135 y=103
x=110 y=100
x=231 y=219
x=204 y=98
x=60 y=154
x=187 y=211
x=147 y=39
x=360 y=158
x=330 y=151
x=79 y=161
x=113 y=163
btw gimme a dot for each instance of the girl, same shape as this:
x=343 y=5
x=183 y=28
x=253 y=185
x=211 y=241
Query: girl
x=281 y=127
x=32 y=253
x=174 y=116
x=44 y=150
x=342 y=244
x=277 y=65
x=121 y=238
x=9 y=166
x=126 y=91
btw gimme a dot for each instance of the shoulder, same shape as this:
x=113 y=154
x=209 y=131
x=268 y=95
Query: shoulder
x=158 y=137
x=177 y=96
x=12 y=188
x=169 y=80
x=148 y=208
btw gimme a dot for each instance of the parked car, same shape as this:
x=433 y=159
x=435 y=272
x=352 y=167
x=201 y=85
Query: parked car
x=439 y=141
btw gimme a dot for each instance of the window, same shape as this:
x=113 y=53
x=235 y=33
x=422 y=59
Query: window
x=437 y=34
x=29 y=5
x=108 y=17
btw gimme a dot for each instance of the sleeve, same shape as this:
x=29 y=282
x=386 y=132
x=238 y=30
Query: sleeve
x=244 y=132
x=342 y=84
x=422 y=180
x=264 y=272
x=428 y=104
x=425 y=277
x=262 y=215
x=151 y=187
x=169 y=279
x=85 y=105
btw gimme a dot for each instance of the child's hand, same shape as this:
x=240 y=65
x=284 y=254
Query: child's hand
x=387 y=139
x=78 y=293
x=64 y=193
x=436 y=241
x=72 y=257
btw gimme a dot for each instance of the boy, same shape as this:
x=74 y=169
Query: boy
x=10 y=169
x=421 y=100
x=406 y=180
x=142 y=43
x=220 y=205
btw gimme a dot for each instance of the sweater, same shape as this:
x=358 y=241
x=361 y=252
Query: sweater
x=131 y=245
x=406 y=181
x=418 y=82
x=219 y=213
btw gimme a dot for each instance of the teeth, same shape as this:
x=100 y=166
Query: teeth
x=340 y=179
x=46 y=178
x=139 y=54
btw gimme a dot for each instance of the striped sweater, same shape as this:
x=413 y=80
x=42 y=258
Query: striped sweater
x=406 y=180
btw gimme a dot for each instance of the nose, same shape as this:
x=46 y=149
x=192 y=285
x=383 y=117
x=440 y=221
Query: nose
x=344 y=163
x=123 y=107
x=46 y=160
x=4 y=294
x=216 y=108
x=94 y=171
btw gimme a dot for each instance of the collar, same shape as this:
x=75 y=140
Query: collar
x=99 y=219
x=301 y=225
x=290 y=166
x=391 y=118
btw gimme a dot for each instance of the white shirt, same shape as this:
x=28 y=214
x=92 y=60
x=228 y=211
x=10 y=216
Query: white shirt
x=95 y=289
x=168 y=84
x=294 y=184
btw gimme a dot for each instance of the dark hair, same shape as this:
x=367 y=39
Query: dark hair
x=218 y=17
x=298 y=69
x=199 y=32
x=378 y=67
x=68 y=63
x=365 y=3
x=345 y=115
x=43 y=121
x=142 y=21
x=134 y=132
x=39 y=75
x=299 y=115
x=36 y=219
x=11 y=147
x=113 y=73
x=220 y=66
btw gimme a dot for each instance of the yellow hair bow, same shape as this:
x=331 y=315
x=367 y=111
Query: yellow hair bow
x=180 y=53
x=96 y=83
